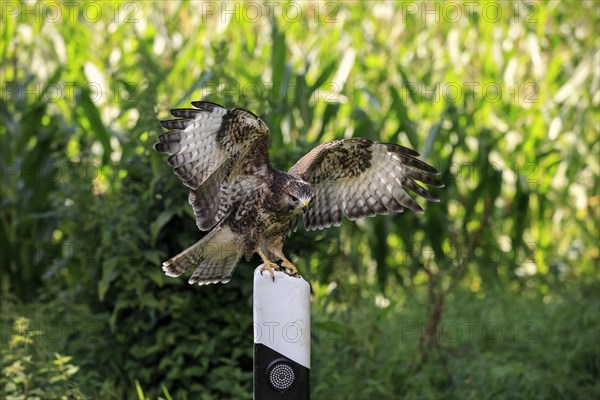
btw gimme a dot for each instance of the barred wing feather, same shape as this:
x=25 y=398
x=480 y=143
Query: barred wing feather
x=208 y=147
x=361 y=178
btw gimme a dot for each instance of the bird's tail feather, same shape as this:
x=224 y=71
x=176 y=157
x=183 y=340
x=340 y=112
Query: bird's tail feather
x=215 y=257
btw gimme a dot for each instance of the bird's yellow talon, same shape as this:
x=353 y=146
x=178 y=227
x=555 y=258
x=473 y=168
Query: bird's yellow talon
x=269 y=266
x=288 y=265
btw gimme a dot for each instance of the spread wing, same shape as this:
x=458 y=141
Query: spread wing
x=208 y=147
x=362 y=178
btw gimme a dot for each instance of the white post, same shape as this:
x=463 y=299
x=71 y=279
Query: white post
x=281 y=336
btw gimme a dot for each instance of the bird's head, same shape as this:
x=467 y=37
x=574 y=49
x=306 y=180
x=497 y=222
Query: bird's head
x=299 y=195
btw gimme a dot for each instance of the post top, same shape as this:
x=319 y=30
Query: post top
x=282 y=314
x=281 y=278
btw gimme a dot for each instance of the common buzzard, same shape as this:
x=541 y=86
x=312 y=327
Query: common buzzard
x=248 y=206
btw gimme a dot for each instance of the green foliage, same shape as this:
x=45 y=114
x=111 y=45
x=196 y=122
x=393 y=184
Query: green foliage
x=507 y=109
x=28 y=374
x=499 y=347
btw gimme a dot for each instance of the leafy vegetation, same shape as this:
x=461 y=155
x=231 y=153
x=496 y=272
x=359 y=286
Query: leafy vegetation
x=493 y=293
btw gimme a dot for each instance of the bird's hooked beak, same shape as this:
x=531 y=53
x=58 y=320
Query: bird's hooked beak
x=305 y=203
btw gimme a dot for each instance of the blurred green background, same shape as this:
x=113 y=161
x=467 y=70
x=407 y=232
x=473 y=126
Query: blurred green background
x=492 y=293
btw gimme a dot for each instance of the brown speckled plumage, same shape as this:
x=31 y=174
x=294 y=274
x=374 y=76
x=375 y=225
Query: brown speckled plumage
x=222 y=156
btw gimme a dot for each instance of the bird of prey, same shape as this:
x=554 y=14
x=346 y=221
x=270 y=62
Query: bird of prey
x=222 y=156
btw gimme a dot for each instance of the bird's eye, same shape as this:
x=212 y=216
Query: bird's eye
x=293 y=198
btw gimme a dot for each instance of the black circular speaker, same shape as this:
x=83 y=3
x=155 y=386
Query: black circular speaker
x=281 y=375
